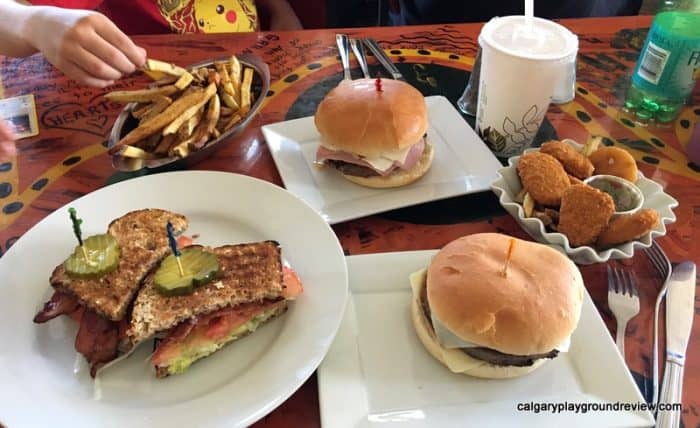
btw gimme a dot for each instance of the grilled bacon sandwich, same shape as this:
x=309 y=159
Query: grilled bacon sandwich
x=252 y=288
x=101 y=304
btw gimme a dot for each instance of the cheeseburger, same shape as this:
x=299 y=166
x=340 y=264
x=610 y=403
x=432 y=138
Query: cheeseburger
x=493 y=306
x=374 y=132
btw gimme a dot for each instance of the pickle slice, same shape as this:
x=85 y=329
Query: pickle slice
x=102 y=257
x=199 y=267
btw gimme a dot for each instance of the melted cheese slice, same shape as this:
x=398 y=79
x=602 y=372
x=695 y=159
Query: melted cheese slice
x=456 y=360
x=387 y=159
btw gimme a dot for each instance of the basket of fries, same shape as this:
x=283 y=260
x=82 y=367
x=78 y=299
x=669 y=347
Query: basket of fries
x=186 y=114
x=555 y=194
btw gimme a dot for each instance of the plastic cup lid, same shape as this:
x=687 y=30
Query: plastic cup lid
x=544 y=40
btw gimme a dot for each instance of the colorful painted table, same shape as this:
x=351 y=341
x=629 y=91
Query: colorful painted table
x=68 y=159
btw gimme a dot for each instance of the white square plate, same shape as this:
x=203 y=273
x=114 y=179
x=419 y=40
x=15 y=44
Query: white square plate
x=378 y=372
x=462 y=165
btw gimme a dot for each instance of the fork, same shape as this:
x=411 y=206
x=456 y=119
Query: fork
x=623 y=300
x=359 y=51
x=343 y=42
x=662 y=264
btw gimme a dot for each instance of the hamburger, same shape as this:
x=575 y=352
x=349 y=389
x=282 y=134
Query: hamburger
x=374 y=132
x=478 y=321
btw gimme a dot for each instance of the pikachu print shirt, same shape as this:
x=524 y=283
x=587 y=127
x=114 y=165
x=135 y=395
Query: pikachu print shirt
x=178 y=16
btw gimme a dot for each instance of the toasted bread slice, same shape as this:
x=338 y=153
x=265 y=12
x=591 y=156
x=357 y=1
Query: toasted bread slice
x=143 y=241
x=249 y=273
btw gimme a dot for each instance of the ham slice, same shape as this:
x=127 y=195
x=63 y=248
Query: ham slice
x=412 y=158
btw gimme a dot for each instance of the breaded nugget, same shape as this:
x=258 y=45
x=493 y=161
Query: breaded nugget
x=584 y=214
x=628 y=228
x=574 y=162
x=543 y=178
x=573 y=180
x=614 y=161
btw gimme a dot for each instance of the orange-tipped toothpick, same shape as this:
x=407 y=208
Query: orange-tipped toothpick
x=504 y=272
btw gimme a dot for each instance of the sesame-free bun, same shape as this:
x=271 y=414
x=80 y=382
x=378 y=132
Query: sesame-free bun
x=398 y=177
x=354 y=117
x=477 y=368
x=531 y=311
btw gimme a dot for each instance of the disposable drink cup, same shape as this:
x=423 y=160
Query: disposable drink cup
x=521 y=64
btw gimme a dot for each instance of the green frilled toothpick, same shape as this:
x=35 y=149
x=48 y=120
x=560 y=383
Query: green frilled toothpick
x=173 y=247
x=76 y=230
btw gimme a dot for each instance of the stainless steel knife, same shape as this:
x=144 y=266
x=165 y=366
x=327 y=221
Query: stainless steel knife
x=383 y=59
x=680 y=309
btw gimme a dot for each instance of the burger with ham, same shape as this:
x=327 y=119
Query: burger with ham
x=493 y=306
x=374 y=132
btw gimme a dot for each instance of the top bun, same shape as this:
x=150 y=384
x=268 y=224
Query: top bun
x=355 y=117
x=531 y=311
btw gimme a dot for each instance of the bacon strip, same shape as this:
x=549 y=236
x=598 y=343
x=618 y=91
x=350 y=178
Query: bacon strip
x=59 y=304
x=97 y=339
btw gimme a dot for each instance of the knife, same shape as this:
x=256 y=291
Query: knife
x=384 y=60
x=680 y=309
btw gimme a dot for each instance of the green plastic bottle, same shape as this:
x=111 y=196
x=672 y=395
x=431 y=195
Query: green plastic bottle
x=668 y=65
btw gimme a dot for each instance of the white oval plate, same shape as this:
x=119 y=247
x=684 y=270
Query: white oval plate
x=508 y=185
x=234 y=387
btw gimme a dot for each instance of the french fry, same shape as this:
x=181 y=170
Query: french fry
x=165 y=80
x=543 y=217
x=190 y=111
x=215 y=133
x=141 y=95
x=140 y=109
x=201 y=136
x=184 y=81
x=150 y=143
x=591 y=146
x=185 y=131
x=226 y=84
x=235 y=73
x=154 y=66
x=165 y=143
x=226 y=111
x=171 y=113
x=229 y=101
x=521 y=194
x=231 y=122
x=156 y=109
x=180 y=150
x=528 y=205
x=214 y=77
x=245 y=90
x=134 y=152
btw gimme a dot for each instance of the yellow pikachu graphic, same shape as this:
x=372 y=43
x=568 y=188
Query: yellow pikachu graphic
x=225 y=16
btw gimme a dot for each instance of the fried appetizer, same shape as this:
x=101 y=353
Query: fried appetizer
x=574 y=162
x=628 y=228
x=584 y=214
x=614 y=161
x=543 y=178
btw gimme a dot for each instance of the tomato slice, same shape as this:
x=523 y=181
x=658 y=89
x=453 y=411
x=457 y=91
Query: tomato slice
x=292 y=284
x=184 y=241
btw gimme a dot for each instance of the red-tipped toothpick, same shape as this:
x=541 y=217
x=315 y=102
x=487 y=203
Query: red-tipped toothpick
x=378 y=83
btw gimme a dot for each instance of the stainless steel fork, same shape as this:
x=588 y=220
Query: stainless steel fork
x=343 y=42
x=359 y=51
x=662 y=264
x=623 y=300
